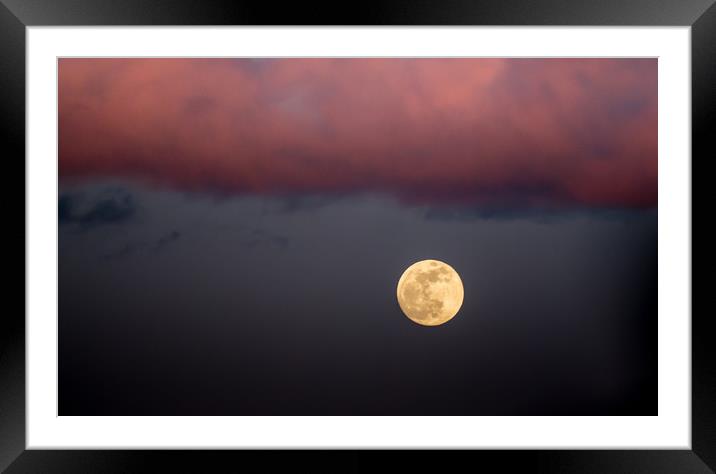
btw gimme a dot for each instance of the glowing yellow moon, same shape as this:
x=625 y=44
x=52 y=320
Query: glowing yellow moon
x=430 y=292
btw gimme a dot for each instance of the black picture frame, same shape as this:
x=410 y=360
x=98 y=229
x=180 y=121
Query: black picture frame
x=16 y=15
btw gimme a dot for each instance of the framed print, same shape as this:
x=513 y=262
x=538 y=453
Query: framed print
x=464 y=227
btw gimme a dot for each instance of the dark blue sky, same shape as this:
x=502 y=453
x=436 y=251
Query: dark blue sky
x=181 y=303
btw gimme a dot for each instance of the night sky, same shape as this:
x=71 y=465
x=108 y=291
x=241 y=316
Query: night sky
x=232 y=231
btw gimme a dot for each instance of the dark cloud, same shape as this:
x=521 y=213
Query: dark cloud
x=302 y=202
x=167 y=239
x=124 y=251
x=111 y=205
x=466 y=213
x=260 y=237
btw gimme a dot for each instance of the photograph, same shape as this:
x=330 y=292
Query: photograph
x=343 y=236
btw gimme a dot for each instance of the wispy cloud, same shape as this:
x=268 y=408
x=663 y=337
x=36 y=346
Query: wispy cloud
x=109 y=206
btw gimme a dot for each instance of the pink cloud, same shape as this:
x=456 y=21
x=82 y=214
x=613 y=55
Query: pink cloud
x=558 y=132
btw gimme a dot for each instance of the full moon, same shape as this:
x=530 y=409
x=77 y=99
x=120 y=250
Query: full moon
x=430 y=292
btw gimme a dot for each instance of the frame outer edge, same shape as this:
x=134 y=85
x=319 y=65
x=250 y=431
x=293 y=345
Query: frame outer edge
x=582 y=462
x=12 y=321
x=12 y=104
x=703 y=117
x=376 y=12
